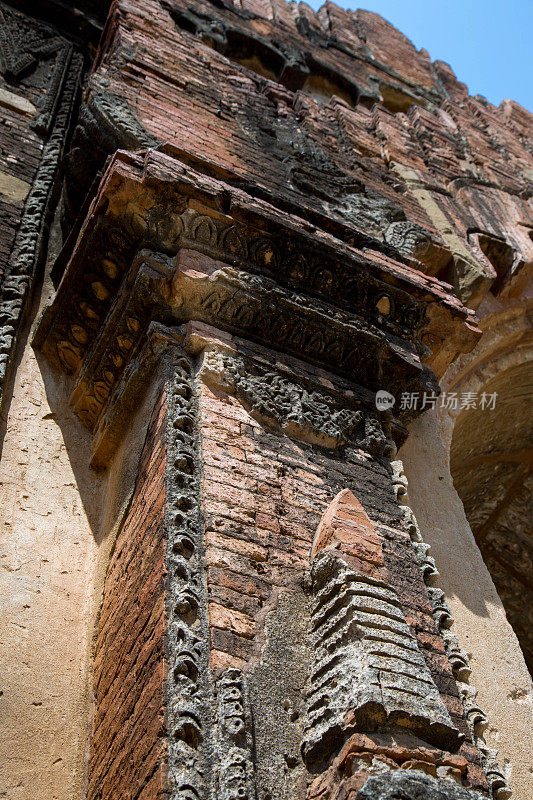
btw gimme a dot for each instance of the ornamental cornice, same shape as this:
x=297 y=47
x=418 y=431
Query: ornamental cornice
x=164 y=244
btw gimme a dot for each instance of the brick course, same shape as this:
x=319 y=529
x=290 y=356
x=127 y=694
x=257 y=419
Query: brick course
x=304 y=156
x=128 y=750
x=264 y=495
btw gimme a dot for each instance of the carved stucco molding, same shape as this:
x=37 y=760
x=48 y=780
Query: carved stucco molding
x=300 y=266
x=368 y=675
x=300 y=408
x=209 y=721
x=86 y=304
x=235 y=779
x=412 y=786
x=96 y=340
x=368 y=669
x=189 y=691
x=106 y=123
x=414 y=241
x=54 y=119
x=153 y=201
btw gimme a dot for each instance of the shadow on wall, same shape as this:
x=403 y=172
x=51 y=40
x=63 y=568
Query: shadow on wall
x=49 y=550
x=37 y=394
x=34 y=396
x=440 y=515
x=57 y=529
x=491 y=462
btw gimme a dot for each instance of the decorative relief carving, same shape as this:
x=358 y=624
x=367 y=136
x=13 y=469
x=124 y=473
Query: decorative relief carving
x=368 y=670
x=234 y=740
x=15 y=59
x=258 y=309
x=459 y=660
x=125 y=399
x=249 y=305
x=441 y=610
x=298 y=266
x=115 y=117
x=476 y=718
x=44 y=120
x=370 y=212
x=299 y=410
x=189 y=692
x=407 y=237
x=118 y=339
x=413 y=241
x=410 y=785
x=457 y=657
x=421 y=548
x=315 y=173
x=426 y=562
x=80 y=312
x=23 y=43
x=24 y=258
x=106 y=123
x=86 y=333
x=192 y=771
x=496 y=777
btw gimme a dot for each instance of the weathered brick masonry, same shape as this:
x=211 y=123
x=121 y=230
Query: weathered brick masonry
x=128 y=748
x=273 y=214
x=264 y=495
x=39 y=85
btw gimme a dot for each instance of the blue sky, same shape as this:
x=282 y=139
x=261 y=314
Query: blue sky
x=486 y=42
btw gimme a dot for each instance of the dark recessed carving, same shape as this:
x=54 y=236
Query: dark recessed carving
x=23 y=42
x=189 y=693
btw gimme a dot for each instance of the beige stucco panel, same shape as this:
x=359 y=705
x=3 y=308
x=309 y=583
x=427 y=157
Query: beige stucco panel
x=498 y=669
x=48 y=555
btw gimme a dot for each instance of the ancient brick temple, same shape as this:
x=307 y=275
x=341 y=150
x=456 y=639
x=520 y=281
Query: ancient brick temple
x=259 y=267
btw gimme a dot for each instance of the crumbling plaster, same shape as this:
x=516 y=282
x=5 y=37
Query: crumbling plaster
x=58 y=522
x=48 y=556
x=498 y=668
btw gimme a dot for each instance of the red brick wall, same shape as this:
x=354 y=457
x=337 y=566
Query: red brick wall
x=264 y=494
x=128 y=747
x=211 y=109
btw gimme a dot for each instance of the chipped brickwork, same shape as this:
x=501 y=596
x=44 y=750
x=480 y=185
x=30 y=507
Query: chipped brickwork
x=337 y=117
x=308 y=209
x=39 y=81
x=408 y=580
x=128 y=745
x=264 y=494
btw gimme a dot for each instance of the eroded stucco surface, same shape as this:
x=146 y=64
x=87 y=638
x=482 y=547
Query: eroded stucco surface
x=48 y=553
x=499 y=672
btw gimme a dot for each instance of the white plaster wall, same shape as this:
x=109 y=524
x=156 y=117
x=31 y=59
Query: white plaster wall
x=49 y=509
x=498 y=668
x=58 y=523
